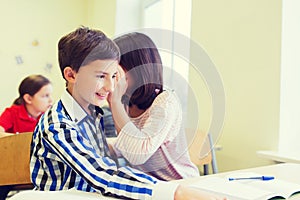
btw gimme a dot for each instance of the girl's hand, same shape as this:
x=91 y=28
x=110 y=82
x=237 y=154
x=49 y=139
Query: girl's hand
x=120 y=74
x=114 y=99
x=120 y=87
x=119 y=91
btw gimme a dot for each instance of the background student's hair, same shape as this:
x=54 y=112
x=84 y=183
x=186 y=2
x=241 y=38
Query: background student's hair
x=30 y=85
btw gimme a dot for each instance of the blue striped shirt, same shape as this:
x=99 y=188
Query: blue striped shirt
x=69 y=151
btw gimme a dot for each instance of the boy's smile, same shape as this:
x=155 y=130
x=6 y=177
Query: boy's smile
x=93 y=82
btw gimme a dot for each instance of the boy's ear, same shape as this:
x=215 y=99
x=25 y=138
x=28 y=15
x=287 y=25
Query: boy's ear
x=27 y=98
x=69 y=74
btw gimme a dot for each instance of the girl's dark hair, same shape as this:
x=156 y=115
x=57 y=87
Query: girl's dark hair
x=140 y=58
x=83 y=46
x=30 y=85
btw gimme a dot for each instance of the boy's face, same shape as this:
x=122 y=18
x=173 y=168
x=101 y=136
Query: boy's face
x=93 y=82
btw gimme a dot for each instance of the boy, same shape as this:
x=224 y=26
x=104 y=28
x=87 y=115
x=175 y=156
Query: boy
x=69 y=149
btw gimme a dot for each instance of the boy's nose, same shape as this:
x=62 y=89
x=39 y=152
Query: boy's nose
x=50 y=99
x=109 y=85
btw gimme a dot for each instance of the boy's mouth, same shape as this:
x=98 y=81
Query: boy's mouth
x=101 y=96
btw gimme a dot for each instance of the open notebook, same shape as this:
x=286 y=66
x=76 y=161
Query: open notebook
x=249 y=189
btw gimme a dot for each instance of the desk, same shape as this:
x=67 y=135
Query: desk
x=279 y=157
x=284 y=171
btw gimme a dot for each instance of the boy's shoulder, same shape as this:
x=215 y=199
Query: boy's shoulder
x=55 y=117
x=56 y=114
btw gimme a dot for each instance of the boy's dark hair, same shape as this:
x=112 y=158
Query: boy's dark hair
x=30 y=85
x=141 y=60
x=85 y=45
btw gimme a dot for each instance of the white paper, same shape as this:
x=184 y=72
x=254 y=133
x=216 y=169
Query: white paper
x=231 y=189
x=58 y=195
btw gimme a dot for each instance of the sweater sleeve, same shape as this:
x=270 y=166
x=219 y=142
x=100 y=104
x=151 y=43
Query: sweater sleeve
x=138 y=144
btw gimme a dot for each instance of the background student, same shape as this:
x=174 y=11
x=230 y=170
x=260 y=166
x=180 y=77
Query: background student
x=34 y=99
x=69 y=149
x=150 y=129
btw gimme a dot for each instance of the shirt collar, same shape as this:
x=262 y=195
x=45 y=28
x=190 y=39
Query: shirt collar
x=76 y=112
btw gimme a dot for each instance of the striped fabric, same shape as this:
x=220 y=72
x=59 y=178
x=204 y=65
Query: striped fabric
x=108 y=123
x=155 y=141
x=68 y=152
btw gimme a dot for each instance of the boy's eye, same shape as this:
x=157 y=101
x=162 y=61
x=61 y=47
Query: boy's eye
x=101 y=76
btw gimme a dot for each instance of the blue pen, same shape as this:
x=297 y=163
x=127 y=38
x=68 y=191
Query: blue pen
x=263 y=178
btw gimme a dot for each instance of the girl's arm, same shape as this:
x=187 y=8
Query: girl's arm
x=117 y=108
x=138 y=144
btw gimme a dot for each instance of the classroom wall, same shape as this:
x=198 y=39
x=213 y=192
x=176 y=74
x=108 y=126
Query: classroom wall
x=242 y=37
x=101 y=15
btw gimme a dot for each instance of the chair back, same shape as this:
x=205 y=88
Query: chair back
x=15 y=159
x=201 y=150
x=199 y=147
